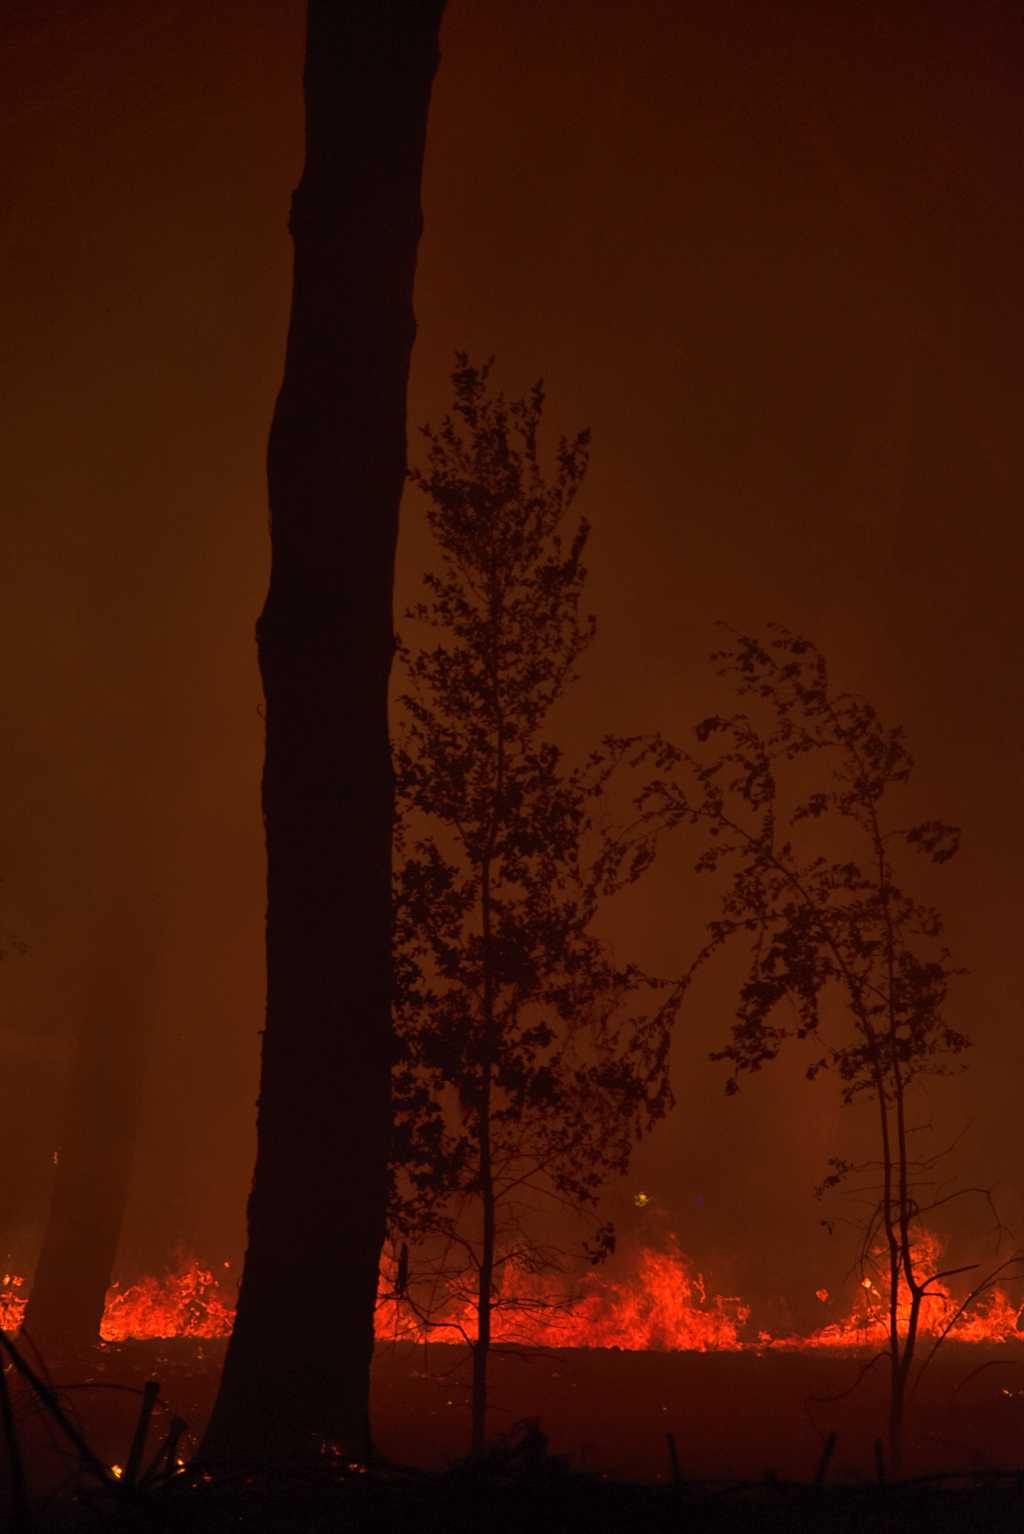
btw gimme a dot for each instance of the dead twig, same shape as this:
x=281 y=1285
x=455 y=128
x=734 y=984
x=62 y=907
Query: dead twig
x=19 y=1489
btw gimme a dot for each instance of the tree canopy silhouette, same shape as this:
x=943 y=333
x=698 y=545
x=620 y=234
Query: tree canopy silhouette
x=532 y=1058
x=838 y=951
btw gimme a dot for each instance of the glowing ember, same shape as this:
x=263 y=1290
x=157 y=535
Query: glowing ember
x=664 y=1305
x=12 y=1303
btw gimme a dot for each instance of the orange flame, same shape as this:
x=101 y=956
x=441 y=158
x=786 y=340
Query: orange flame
x=664 y=1305
x=12 y=1304
x=994 y=1317
x=183 y=1304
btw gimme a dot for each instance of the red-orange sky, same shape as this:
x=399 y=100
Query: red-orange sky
x=771 y=255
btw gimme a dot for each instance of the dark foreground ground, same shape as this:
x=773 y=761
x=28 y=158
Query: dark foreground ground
x=749 y=1432
x=534 y=1506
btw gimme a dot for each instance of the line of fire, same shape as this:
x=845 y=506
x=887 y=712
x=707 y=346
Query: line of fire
x=510 y=977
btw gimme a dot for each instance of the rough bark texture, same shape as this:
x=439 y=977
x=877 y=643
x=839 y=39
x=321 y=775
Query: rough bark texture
x=296 y=1376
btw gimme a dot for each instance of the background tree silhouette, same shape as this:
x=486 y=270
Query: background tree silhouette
x=95 y=1154
x=336 y=471
x=22 y=1161
x=527 y=1070
x=838 y=951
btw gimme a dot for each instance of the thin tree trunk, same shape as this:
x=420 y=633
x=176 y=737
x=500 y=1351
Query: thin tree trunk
x=296 y=1376
x=485 y=1279
x=96 y=1148
x=896 y=1411
x=485 y=1286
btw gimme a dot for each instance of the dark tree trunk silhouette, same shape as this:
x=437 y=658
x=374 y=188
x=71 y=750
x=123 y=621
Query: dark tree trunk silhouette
x=296 y=1375
x=96 y=1142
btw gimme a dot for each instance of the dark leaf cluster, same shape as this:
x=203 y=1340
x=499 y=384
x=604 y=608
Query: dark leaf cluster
x=821 y=933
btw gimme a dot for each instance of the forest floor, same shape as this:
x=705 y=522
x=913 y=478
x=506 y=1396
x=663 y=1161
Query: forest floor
x=748 y=1431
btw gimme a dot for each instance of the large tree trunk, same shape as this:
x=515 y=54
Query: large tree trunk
x=96 y=1146
x=296 y=1376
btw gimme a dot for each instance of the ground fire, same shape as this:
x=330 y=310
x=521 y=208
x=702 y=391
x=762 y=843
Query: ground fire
x=664 y=1305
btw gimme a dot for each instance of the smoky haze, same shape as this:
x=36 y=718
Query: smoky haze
x=770 y=257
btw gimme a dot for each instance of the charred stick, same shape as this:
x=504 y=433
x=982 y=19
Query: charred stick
x=163 y=1461
x=826 y=1456
x=150 y=1391
x=49 y=1400
x=677 y=1479
x=19 y=1490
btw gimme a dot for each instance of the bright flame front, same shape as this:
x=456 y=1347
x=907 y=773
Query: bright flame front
x=663 y=1305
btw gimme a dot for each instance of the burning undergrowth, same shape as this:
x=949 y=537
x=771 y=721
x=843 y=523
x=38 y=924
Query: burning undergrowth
x=662 y=1304
x=653 y=1352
